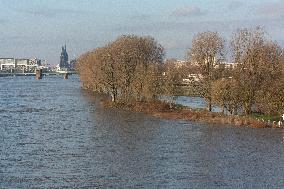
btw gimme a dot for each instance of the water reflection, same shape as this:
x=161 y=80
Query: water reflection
x=57 y=136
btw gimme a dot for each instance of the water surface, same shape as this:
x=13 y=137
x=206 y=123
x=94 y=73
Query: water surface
x=54 y=135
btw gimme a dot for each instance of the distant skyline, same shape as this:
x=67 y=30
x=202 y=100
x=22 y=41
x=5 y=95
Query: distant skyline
x=39 y=28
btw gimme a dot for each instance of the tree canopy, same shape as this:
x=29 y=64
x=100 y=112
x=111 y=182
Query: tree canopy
x=128 y=68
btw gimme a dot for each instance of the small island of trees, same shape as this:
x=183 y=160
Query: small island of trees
x=132 y=70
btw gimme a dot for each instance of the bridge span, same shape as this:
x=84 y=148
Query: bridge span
x=34 y=74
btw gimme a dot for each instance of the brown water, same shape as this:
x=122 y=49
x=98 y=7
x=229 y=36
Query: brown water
x=54 y=135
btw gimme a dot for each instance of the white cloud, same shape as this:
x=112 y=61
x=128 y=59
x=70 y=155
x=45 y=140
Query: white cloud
x=187 y=11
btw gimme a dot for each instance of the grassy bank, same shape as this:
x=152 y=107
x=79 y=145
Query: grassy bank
x=177 y=112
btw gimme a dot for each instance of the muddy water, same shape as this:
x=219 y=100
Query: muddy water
x=54 y=135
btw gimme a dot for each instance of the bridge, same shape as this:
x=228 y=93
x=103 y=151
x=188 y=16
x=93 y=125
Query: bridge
x=5 y=74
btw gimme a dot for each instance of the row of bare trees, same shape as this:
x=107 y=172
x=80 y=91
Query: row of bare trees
x=133 y=67
x=256 y=82
x=128 y=68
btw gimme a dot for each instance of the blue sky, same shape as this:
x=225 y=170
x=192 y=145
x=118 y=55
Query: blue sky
x=38 y=28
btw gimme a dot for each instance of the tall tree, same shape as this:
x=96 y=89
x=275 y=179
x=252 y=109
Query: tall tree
x=207 y=51
x=128 y=68
x=257 y=59
x=270 y=96
x=84 y=66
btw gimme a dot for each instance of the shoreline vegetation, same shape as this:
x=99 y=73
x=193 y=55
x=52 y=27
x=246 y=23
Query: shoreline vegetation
x=169 y=111
x=133 y=72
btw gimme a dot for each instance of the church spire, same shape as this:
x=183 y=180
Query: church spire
x=64 y=58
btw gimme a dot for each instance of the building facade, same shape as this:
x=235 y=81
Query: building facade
x=19 y=65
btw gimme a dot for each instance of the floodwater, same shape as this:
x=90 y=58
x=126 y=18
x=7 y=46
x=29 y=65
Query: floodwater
x=192 y=102
x=54 y=135
x=195 y=102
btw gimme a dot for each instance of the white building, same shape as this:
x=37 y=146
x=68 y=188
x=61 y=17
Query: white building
x=19 y=64
x=226 y=65
x=7 y=63
x=193 y=78
x=180 y=63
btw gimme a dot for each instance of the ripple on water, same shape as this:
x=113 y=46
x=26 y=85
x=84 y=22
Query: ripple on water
x=53 y=135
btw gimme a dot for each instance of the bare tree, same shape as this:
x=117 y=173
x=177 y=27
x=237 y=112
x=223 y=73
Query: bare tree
x=138 y=60
x=84 y=66
x=128 y=68
x=270 y=96
x=207 y=50
x=258 y=59
x=225 y=94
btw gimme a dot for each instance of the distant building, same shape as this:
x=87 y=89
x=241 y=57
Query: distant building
x=176 y=63
x=226 y=65
x=64 y=64
x=35 y=62
x=7 y=63
x=72 y=64
x=19 y=65
x=193 y=78
x=180 y=63
x=64 y=59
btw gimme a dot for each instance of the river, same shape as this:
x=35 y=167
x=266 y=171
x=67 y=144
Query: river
x=54 y=135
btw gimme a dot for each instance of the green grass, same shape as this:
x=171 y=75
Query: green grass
x=265 y=117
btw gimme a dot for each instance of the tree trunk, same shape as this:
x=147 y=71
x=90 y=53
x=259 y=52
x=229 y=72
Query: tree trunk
x=247 y=108
x=209 y=106
x=234 y=111
x=113 y=98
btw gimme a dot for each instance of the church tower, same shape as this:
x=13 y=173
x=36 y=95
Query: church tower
x=64 y=58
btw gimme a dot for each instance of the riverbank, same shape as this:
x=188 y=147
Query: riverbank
x=166 y=110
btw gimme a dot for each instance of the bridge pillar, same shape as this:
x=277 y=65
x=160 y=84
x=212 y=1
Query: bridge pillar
x=39 y=74
x=66 y=75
